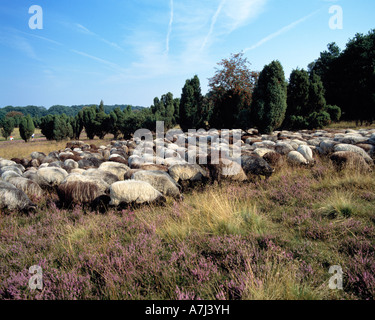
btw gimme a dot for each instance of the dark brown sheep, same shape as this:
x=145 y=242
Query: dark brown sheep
x=119 y=160
x=78 y=192
x=350 y=160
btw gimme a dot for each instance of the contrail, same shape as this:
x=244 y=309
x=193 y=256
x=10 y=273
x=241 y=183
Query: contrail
x=281 y=31
x=213 y=22
x=170 y=26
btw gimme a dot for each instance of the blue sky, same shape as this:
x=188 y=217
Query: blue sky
x=128 y=52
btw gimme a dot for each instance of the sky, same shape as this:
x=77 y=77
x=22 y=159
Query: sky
x=131 y=51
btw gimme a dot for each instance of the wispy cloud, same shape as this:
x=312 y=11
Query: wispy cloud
x=86 y=31
x=17 y=42
x=83 y=29
x=240 y=12
x=170 y=26
x=231 y=15
x=281 y=31
x=213 y=22
x=107 y=63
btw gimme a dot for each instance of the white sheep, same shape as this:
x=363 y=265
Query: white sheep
x=132 y=191
x=160 y=180
x=12 y=198
x=51 y=176
x=297 y=158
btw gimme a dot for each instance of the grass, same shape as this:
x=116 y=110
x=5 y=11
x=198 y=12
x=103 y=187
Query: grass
x=19 y=149
x=269 y=240
x=350 y=125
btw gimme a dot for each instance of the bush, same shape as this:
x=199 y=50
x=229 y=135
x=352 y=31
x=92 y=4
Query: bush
x=298 y=122
x=334 y=112
x=8 y=125
x=318 y=120
x=270 y=98
x=27 y=128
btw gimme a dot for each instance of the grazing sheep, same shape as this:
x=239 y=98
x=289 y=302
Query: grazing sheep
x=6 y=163
x=106 y=176
x=38 y=156
x=327 y=146
x=25 y=162
x=350 y=160
x=118 y=169
x=226 y=170
x=11 y=168
x=132 y=191
x=51 y=176
x=105 y=154
x=283 y=148
x=69 y=156
x=256 y=166
x=12 y=198
x=9 y=174
x=366 y=147
x=57 y=164
x=29 y=187
x=160 y=180
x=294 y=157
x=262 y=151
x=90 y=162
x=70 y=164
x=306 y=152
x=80 y=189
x=184 y=172
x=118 y=158
x=351 y=148
x=128 y=175
x=273 y=158
x=151 y=167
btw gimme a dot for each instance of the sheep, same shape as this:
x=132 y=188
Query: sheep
x=152 y=167
x=306 y=152
x=160 y=180
x=9 y=174
x=29 y=187
x=350 y=160
x=296 y=158
x=90 y=162
x=11 y=168
x=70 y=164
x=128 y=175
x=351 y=148
x=6 y=163
x=262 y=151
x=184 y=172
x=80 y=189
x=226 y=170
x=69 y=156
x=118 y=169
x=118 y=158
x=273 y=158
x=12 y=198
x=132 y=191
x=283 y=148
x=256 y=166
x=57 y=164
x=51 y=176
x=75 y=144
x=106 y=176
x=327 y=146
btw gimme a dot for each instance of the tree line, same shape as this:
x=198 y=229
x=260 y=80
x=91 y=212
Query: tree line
x=339 y=84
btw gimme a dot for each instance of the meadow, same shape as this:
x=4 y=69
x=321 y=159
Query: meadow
x=274 y=239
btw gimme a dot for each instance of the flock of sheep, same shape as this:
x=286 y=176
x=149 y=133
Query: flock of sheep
x=140 y=171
